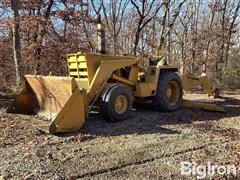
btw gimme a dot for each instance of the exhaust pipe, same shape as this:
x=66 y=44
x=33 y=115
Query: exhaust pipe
x=100 y=37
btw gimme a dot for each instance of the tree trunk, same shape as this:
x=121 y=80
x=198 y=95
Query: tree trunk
x=16 y=42
x=230 y=30
x=168 y=38
x=206 y=52
x=136 y=41
x=40 y=38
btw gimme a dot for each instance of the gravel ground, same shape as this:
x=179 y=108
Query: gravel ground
x=150 y=145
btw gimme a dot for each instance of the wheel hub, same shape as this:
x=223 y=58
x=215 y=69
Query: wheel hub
x=121 y=104
x=172 y=93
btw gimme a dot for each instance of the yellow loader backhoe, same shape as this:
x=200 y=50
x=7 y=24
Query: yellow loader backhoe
x=110 y=82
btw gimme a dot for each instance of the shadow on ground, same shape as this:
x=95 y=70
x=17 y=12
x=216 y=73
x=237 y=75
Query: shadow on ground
x=6 y=100
x=146 y=121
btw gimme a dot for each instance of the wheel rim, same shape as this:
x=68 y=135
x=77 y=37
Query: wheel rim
x=121 y=104
x=172 y=93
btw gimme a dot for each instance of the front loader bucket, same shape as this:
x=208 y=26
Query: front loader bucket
x=57 y=101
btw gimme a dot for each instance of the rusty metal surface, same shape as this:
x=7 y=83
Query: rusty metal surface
x=56 y=100
x=51 y=93
x=25 y=102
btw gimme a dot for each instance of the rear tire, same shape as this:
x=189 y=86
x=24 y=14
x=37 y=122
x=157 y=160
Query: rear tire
x=116 y=103
x=169 y=92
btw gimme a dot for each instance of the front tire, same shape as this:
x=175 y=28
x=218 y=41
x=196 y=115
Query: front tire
x=116 y=103
x=169 y=92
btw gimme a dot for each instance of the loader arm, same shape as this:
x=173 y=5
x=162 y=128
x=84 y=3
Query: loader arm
x=104 y=72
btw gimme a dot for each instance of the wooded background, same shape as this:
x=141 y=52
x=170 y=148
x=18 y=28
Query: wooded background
x=196 y=35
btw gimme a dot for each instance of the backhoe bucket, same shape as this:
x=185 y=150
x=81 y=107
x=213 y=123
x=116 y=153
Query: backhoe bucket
x=58 y=102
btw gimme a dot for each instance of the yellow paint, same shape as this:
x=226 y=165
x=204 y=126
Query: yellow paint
x=200 y=81
x=64 y=102
x=186 y=104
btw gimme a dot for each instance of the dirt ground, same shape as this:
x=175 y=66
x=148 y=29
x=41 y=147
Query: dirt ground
x=150 y=145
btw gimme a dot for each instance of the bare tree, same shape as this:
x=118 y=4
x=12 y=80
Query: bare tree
x=114 y=15
x=182 y=36
x=208 y=42
x=39 y=38
x=171 y=22
x=194 y=35
x=146 y=12
x=164 y=23
x=195 y=5
x=223 y=26
x=16 y=41
x=232 y=27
